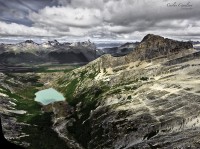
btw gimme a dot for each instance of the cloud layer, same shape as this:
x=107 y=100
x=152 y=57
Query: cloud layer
x=116 y=19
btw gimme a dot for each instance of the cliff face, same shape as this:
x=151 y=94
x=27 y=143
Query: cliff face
x=147 y=99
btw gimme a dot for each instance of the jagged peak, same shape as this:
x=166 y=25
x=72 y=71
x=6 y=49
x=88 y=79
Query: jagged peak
x=29 y=41
x=26 y=42
x=53 y=41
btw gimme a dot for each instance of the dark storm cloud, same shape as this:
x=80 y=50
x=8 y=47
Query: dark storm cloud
x=129 y=19
x=17 y=10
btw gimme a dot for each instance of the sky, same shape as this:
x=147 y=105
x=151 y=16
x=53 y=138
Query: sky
x=98 y=20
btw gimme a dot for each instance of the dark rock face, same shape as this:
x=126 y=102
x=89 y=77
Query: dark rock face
x=4 y=144
x=29 y=41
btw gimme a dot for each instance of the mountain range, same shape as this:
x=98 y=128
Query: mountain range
x=31 y=53
x=147 y=98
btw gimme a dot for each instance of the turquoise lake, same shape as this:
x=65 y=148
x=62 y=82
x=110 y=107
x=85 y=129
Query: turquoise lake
x=48 y=96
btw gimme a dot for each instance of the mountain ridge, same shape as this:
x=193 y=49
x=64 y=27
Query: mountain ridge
x=29 y=52
x=151 y=47
x=55 y=52
x=135 y=101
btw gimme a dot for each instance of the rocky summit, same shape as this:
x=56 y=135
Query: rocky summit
x=154 y=46
x=147 y=99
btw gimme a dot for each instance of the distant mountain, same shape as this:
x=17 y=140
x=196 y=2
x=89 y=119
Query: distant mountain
x=196 y=44
x=108 y=44
x=29 y=52
x=120 y=50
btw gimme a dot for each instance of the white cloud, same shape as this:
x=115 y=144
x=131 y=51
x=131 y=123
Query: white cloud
x=16 y=29
x=59 y=16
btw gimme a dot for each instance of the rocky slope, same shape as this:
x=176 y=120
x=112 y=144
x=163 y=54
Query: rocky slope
x=23 y=122
x=146 y=99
